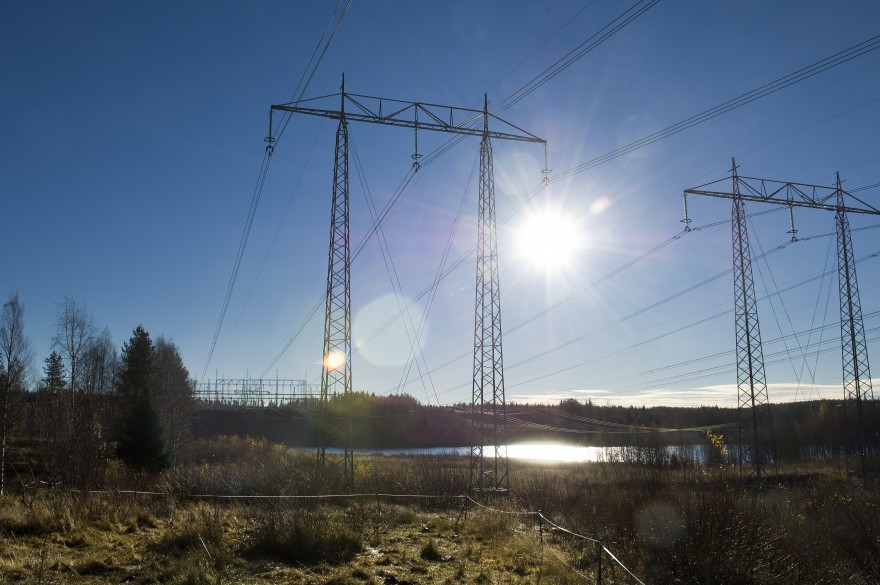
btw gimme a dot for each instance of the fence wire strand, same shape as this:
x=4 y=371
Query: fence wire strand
x=561 y=560
x=566 y=531
x=464 y=497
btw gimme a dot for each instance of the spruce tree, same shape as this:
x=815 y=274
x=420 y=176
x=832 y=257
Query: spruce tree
x=142 y=443
x=53 y=378
x=141 y=437
x=136 y=375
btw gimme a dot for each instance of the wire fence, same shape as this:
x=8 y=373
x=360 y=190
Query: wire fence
x=543 y=520
x=545 y=525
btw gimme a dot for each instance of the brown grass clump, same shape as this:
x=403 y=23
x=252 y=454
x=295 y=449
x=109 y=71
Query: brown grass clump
x=296 y=535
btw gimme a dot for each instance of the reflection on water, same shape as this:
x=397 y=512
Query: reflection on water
x=555 y=452
x=547 y=452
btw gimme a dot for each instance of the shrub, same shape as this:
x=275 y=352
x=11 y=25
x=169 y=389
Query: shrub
x=430 y=552
x=304 y=536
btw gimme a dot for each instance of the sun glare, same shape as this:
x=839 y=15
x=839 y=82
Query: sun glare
x=548 y=240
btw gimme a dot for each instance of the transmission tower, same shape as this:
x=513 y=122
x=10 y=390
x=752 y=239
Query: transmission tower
x=336 y=356
x=751 y=382
x=488 y=379
x=488 y=472
x=856 y=374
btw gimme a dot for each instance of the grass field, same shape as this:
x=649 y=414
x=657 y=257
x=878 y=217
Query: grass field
x=686 y=524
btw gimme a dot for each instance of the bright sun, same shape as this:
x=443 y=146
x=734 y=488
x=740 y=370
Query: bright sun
x=548 y=240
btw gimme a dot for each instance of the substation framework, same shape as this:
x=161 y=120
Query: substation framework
x=255 y=392
x=488 y=457
x=753 y=401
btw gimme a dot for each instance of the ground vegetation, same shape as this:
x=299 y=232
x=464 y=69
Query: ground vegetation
x=239 y=510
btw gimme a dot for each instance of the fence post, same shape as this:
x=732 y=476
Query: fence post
x=541 y=526
x=599 y=546
x=462 y=516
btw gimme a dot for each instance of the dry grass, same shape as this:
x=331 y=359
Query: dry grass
x=709 y=526
x=280 y=542
x=684 y=525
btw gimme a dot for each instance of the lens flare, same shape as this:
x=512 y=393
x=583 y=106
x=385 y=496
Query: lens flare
x=381 y=330
x=333 y=361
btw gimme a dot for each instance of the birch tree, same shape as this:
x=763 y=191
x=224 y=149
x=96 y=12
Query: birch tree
x=73 y=422
x=16 y=355
x=74 y=332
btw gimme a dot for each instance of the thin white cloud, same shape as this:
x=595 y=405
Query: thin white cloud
x=723 y=395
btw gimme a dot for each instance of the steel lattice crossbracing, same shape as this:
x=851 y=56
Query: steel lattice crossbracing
x=856 y=372
x=336 y=370
x=488 y=472
x=750 y=379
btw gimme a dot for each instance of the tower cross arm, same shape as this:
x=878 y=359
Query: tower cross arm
x=786 y=193
x=418 y=115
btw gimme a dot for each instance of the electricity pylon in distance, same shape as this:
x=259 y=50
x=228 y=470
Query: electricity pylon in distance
x=858 y=394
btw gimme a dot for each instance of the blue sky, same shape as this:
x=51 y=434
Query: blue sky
x=132 y=137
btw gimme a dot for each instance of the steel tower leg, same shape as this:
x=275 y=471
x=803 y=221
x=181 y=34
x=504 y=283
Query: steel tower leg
x=857 y=391
x=336 y=370
x=489 y=471
x=751 y=383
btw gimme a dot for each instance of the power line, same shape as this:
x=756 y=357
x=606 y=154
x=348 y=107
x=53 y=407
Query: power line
x=242 y=244
x=539 y=47
x=272 y=243
x=589 y=287
x=305 y=85
x=609 y=30
x=701 y=374
x=769 y=88
x=442 y=265
x=557 y=67
x=816 y=68
x=395 y=197
x=797 y=375
x=414 y=337
x=645 y=341
x=605 y=33
x=261 y=181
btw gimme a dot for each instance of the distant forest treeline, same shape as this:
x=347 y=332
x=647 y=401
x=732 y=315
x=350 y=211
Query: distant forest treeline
x=795 y=430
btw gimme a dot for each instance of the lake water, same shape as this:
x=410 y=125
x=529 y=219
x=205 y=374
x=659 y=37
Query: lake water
x=548 y=452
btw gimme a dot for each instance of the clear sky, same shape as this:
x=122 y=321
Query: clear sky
x=131 y=138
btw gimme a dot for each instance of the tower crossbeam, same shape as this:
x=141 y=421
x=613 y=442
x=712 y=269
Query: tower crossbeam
x=434 y=117
x=786 y=193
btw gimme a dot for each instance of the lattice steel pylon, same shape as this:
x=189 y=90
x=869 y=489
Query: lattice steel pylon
x=336 y=373
x=856 y=376
x=856 y=371
x=751 y=382
x=488 y=472
x=336 y=356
